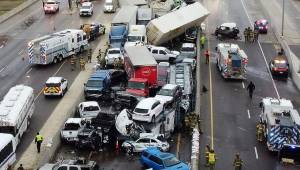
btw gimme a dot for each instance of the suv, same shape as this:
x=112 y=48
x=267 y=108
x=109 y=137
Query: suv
x=162 y=53
x=88 y=109
x=189 y=50
x=86 y=9
x=228 y=30
x=157 y=160
x=112 y=55
x=51 y=6
x=148 y=110
x=71 y=128
x=168 y=93
x=279 y=66
x=80 y=164
x=55 y=86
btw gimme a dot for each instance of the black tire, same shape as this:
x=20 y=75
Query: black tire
x=55 y=60
x=60 y=58
x=153 y=119
x=81 y=50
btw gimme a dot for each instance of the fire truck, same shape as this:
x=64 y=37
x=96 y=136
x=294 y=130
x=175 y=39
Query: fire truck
x=231 y=61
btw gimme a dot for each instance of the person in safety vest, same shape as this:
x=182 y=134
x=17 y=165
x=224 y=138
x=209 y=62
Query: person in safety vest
x=212 y=159
x=238 y=162
x=207 y=150
x=38 y=140
x=260 y=131
x=202 y=41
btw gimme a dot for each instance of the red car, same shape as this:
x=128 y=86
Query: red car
x=261 y=25
x=51 y=6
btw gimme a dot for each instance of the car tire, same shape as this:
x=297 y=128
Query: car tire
x=145 y=166
x=153 y=119
x=55 y=60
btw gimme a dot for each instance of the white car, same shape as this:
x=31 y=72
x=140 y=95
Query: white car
x=112 y=55
x=88 y=109
x=86 y=9
x=69 y=133
x=56 y=86
x=168 y=93
x=162 y=53
x=189 y=50
x=147 y=140
x=51 y=6
x=147 y=110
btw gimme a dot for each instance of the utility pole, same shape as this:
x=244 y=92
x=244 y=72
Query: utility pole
x=282 y=21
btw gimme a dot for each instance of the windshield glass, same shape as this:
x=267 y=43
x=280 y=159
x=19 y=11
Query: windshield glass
x=280 y=65
x=136 y=85
x=7 y=129
x=94 y=83
x=134 y=38
x=50 y=2
x=85 y=7
x=139 y=110
x=113 y=52
x=168 y=51
x=187 y=49
x=91 y=108
x=171 y=161
x=165 y=92
x=71 y=126
x=108 y=3
x=53 y=84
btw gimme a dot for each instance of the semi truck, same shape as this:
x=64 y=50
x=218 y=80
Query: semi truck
x=231 y=61
x=98 y=84
x=137 y=35
x=55 y=47
x=144 y=15
x=141 y=69
x=120 y=25
x=174 y=24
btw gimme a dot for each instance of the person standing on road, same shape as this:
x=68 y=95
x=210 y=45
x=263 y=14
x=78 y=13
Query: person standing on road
x=73 y=62
x=20 y=167
x=246 y=35
x=38 y=140
x=206 y=56
x=202 y=41
x=255 y=35
x=212 y=159
x=90 y=55
x=82 y=64
x=260 y=131
x=207 y=150
x=251 y=88
x=251 y=35
x=238 y=162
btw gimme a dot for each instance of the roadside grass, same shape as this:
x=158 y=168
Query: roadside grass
x=7 y=5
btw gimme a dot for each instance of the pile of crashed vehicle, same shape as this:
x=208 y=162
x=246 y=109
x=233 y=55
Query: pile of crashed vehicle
x=140 y=103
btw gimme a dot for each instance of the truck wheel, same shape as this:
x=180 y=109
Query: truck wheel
x=81 y=50
x=60 y=58
x=55 y=60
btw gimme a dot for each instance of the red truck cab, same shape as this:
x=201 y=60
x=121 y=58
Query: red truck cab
x=141 y=69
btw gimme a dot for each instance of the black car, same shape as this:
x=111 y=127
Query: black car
x=89 y=138
x=227 y=30
x=125 y=100
x=117 y=76
x=191 y=34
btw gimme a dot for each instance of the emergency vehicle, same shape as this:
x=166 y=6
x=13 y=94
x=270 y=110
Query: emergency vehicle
x=56 y=86
x=16 y=110
x=279 y=67
x=231 y=61
x=281 y=122
x=55 y=47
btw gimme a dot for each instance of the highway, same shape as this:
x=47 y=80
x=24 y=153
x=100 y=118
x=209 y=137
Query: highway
x=228 y=114
x=16 y=32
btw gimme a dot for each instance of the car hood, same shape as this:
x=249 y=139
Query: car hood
x=164 y=99
x=175 y=52
x=122 y=121
x=109 y=56
x=188 y=54
x=93 y=88
x=85 y=10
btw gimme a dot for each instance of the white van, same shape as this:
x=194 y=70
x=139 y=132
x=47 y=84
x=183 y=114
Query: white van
x=110 y=6
x=136 y=36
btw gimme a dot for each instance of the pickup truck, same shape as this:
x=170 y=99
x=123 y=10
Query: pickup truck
x=162 y=53
x=80 y=164
x=89 y=109
x=71 y=128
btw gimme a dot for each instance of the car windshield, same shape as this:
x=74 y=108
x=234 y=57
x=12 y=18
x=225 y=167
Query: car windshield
x=85 y=7
x=94 y=83
x=167 y=51
x=113 y=52
x=187 y=49
x=50 y=2
x=139 y=110
x=134 y=38
x=171 y=161
x=71 y=126
x=165 y=92
x=136 y=85
x=280 y=65
x=192 y=31
x=53 y=84
x=91 y=108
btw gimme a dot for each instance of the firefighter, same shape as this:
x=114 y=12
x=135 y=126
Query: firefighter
x=255 y=35
x=38 y=140
x=82 y=63
x=119 y=63
x=212 y=159
x=20 y=167
x=238 y=162
x=202 y=41
x=206 y=56
x=251 y=88
x=73 y=62
x=260 y=131
x=77 y=3
x=251 y=35
x=90 y=55
x=207 y=150
x=246 y=34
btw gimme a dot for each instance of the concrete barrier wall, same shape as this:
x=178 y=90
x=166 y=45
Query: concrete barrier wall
x=16 y=10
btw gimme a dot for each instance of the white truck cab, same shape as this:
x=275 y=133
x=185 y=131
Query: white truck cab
x=86 y=9
x=55 y=86
x=136 y=36
x=69 y=133
x=88 y=109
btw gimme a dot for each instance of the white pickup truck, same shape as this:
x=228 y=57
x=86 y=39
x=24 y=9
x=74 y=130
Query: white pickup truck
x=72 y=126
x=162 y=53
x=89 y=109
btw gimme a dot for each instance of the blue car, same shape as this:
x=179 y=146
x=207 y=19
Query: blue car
x=157 y=160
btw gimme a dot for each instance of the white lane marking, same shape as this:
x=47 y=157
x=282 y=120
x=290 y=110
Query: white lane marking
x=262 y=52
x=3 y=69
x=256 y=154
x=242 y=129
x=29 y=71
x=243 y=84
x=248 y=111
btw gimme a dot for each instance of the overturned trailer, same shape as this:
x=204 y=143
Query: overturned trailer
x=173 y=24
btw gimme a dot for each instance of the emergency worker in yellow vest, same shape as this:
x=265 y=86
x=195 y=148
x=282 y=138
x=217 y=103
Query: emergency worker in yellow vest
x=207 y=150
x=238 y=162
x=38 y=140
x=212 y=159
